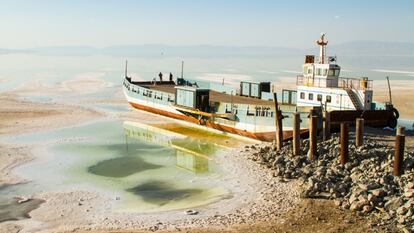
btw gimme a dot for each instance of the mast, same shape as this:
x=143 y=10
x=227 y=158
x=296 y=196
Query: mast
x=322 y=51
x=126 y=68
x=182 y=69
x=389 y=89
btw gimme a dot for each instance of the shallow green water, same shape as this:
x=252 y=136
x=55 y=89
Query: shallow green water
x=142 y=168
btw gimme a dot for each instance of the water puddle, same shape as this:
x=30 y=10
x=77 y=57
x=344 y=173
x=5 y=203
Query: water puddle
x=161 y=193
x=121 y=167
x=11 y=209
x=143 y=168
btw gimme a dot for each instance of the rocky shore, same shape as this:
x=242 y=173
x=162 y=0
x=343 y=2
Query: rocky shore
x=365 y=184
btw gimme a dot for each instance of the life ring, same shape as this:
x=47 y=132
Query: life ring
x=392 y=122
x=396 y=113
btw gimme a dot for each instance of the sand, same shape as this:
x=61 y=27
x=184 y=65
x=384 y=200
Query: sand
x=18 y=117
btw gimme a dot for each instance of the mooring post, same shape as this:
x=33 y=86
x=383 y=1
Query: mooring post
x=399 y=155
x=296 y=133
x=359 y=131
x=313 y=128
x=278 y=124
x=279 y=130
x=344 y=143
x=327 y=126
x=400 y=130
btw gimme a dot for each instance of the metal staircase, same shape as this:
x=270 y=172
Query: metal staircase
x=353 y=98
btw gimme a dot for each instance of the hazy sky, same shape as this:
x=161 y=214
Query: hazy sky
x=32 y=23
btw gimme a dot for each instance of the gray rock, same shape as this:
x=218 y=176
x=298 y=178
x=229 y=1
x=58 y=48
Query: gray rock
x=393 y=203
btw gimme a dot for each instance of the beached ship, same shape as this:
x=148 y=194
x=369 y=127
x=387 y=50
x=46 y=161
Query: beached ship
x=250 y=109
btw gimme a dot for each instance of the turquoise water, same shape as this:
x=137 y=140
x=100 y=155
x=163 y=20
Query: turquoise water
x=142 y=168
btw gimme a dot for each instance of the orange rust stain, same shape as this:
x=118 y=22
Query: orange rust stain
x=263 y=136
x=164 y=113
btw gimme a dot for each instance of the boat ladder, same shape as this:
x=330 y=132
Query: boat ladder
x=353 y=98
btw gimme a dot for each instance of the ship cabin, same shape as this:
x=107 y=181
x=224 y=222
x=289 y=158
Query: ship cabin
x=193 y=98
x=321 y=85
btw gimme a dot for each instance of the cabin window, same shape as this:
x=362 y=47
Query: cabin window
x=309 y=70
x=325 y=71
x=228 y=111
x=328 y=99
x=302 y=95
x=249 y=113
x=318 y=72
x=319 y=97
x=310 y=96
x=334 y=72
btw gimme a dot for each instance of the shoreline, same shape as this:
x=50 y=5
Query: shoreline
x=23 y=117
x=243 y=207
x=262 y=201
x=51 y=117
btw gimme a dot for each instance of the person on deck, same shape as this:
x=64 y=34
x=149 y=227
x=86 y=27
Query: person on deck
x=160 y=75
x=171 y=77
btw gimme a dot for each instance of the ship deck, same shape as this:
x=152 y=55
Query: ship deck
x=215 y=96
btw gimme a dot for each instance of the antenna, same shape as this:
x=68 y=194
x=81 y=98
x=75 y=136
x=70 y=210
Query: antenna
x=322 y=43
x=126 y=68
x=182 y=69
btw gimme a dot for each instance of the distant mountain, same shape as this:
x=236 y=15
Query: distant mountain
x=8 y=51
x=197 y=51
x=354 y=48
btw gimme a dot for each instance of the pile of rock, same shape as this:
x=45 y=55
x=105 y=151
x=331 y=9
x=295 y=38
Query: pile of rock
x=365 y=184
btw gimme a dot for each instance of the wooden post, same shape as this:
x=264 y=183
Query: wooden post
x=399 y=155
x=278 y=124
x=359 y=132
x=344 y=143
x=313 y=128
x=327 y=126
x=296 y=133
x=400 y=130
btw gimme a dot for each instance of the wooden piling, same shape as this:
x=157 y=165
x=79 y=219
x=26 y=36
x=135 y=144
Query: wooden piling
x=359 y=131
x=296 y=133
x=327 y=126
x=313 y=128
x=399 y=155
x=400 y=130
x=343 y=157
x=278 y=124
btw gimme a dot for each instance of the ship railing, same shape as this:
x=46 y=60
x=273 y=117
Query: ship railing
x=341 y=82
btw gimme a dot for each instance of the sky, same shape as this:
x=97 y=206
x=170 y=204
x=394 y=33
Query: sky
x=101 y=23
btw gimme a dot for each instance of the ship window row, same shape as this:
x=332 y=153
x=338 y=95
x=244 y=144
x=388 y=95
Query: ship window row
x=256 y=111
x=150 y=93
x=322 y=72
x=319 y=97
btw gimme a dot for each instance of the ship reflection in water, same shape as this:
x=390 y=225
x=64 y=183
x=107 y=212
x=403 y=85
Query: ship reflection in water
x=191 y=154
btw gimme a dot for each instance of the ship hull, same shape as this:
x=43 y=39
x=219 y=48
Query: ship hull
x=159 y=99
x=262 y=136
